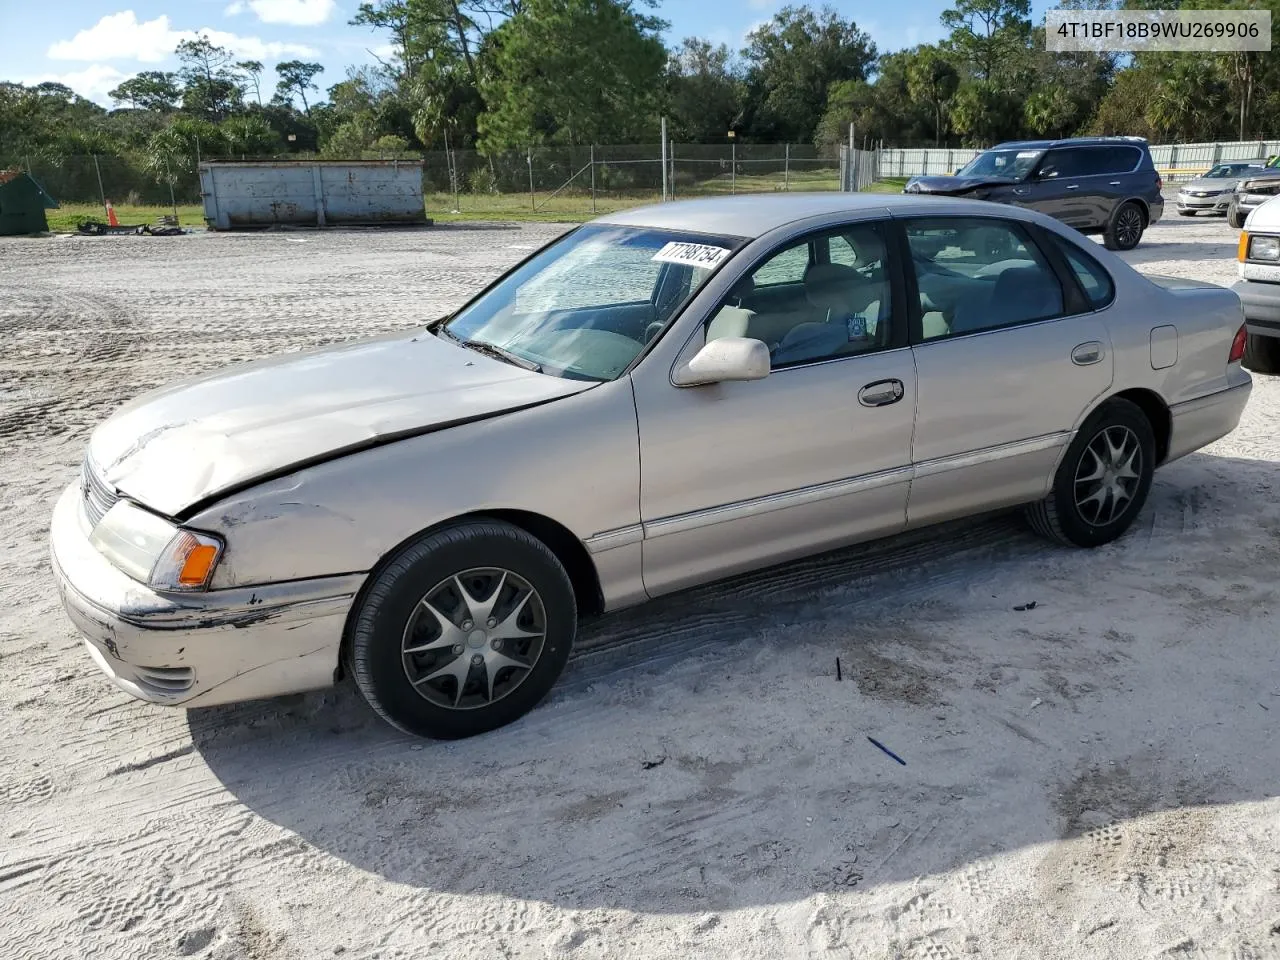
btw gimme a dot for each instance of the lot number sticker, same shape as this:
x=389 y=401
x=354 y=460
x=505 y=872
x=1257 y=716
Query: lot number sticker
x=691 y=254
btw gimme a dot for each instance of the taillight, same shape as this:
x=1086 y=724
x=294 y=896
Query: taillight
x=1237 y=346
x=1159 y=182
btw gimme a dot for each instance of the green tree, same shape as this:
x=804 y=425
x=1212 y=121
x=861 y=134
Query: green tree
x=297 y=77
x=985 y=114
x=987 y=34
x=149 y=90
x=211 y=85
x=572 y=71
x=251 y=73
x=705 y=92
x=933 y=79
x=793 y=61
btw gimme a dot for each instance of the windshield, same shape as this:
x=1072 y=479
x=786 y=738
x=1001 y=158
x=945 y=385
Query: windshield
x=584 y=307
x=1015 y=164
x=1225 y=170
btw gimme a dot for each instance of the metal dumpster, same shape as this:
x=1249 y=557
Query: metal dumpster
x=22 y=204
x=317 y=193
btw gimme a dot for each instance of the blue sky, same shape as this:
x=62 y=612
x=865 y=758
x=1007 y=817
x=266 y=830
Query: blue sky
x=91 y=45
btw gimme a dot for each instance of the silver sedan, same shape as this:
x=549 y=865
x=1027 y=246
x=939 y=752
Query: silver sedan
x=656 y=399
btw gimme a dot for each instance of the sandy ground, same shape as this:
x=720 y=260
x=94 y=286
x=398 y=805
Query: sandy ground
x=1094 y=777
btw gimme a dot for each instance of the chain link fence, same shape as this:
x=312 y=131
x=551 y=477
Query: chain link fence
x=545 y=182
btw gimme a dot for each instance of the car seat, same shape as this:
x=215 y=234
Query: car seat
x=1020 y=294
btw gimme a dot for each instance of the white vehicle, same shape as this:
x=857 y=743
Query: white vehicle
x=1259 y=286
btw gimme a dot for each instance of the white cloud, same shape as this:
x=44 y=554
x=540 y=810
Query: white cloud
x=297 y=13
x=120 y=36
x=234 y=9
x=92 y=82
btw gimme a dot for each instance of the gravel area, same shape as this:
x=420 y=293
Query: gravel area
x=1094 y=776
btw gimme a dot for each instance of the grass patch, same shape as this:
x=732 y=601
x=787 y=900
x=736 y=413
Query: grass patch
x=888 y=185
x=568 y=207
x=68 y=217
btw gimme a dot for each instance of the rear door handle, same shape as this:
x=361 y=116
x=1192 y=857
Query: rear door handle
x=1113 y=183
x=881 y=393
x=1073 y=186
x=1087 y=353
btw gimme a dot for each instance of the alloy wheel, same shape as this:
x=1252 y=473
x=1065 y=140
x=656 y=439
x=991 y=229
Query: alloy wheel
x=1128 y=227
x=1108 y=476
x=474 y=638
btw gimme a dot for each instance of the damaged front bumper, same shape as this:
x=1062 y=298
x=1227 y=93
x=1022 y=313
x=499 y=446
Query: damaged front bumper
x=197 y=649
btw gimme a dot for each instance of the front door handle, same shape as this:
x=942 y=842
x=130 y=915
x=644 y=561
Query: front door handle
x=1113 y=183
x=881 y=393
x=1087 y=353
x=1073 y=186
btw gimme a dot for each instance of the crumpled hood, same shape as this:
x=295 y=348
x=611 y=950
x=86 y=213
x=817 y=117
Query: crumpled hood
x=195 y=439
x=952 y=185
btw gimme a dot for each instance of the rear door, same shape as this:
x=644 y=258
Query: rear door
x=1115 y=178
x=1009 y=353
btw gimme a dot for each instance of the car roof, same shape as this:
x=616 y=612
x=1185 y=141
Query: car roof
x=1070 y=142
x=753 y=215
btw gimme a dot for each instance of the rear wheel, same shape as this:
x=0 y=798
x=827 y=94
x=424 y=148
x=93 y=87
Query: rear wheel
x=1125 y=227
x=464 y=631
x=1262 y=354
x=1103 y=479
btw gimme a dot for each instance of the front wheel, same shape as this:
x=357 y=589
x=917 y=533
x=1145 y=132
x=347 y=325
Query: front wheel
x=464 y=631
x=1103 y=479
x=1234 y=217
x=1125 y=227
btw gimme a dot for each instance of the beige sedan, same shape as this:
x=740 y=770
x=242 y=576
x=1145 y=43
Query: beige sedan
x=657 y=399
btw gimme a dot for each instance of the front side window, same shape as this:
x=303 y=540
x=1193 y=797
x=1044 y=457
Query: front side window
x=975 y=274
x=819 y=298
x=1014 y=164
x=585 y=306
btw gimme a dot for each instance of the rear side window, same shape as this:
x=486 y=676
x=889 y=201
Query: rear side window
x=978 y=274
x=1096 y=282
x=1062 y=163
x=1118 y=159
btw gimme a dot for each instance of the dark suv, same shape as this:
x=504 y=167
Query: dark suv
x=1105 y=185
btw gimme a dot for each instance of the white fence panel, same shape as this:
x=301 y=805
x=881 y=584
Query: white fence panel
x=1176 y=161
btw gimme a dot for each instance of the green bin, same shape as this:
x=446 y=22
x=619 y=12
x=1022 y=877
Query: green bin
x=22 y=204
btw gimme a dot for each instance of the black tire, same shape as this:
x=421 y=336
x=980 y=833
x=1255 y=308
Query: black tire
x=376 y=653
x=1123 y=231
x=1262 y=354
x=1234 y=218
x=1058 y=517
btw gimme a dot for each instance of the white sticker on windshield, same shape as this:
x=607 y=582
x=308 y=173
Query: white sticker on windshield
x=691 y=254
x=1028 y=153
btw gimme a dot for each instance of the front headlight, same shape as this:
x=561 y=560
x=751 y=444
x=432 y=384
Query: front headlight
x=153 y=550
x=1264 y=248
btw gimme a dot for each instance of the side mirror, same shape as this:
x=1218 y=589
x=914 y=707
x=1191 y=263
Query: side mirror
x=723 y=360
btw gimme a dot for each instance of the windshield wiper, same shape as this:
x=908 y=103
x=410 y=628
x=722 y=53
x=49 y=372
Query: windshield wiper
x=501 y=353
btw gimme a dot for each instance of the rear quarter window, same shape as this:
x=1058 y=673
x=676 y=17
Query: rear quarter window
x=1097 y=283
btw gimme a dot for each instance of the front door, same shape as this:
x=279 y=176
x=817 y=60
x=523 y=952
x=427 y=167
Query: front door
x=1013 y=357
x=739 y=475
